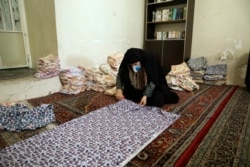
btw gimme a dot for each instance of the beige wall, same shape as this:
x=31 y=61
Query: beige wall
x=40 y=15
x=89 y=31
x=221 y=33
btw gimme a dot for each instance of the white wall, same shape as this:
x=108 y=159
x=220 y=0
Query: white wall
x=89 y=31
x=222 y=27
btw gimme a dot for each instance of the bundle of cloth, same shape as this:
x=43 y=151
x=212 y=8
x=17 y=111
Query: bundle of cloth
x=216 y=74
x=179 y=78
x=19 y=116
x=197 y=68
x=72 y=80
x=48 y=67
x=207 y=74
x=100 y=79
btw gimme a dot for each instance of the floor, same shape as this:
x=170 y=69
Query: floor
x=23 y=88
x=14 y=73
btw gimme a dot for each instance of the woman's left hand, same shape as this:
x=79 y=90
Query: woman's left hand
x=143 y=101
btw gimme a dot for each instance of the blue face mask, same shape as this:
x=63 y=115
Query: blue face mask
x=136 y=68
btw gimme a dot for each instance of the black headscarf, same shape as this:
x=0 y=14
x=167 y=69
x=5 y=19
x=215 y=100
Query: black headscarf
x=152 y=67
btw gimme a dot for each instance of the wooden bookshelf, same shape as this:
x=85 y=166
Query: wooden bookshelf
x=168 y=30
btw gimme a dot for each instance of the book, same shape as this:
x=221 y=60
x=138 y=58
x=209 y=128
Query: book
x=170 y=14
x=165 y=14
x=185 y=13
x=179 y=14
x=174 y=12
x=158 y=15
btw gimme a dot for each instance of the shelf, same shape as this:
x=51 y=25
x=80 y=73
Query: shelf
x=172 y=39
x=166 y=3
x=168 y=19
x=168 y=22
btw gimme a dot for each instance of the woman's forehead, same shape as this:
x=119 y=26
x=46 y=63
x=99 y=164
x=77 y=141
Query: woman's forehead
x=136 y=63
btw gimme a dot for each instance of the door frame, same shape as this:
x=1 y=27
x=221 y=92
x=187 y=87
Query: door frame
x=25 y=33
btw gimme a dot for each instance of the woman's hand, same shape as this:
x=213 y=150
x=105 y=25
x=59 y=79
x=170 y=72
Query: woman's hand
x=143 y=101
x=119 y=95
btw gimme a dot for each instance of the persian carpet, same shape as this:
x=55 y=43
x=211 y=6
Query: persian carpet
x=174 y=146
x=195 y=111
x=109 y=136
x=228 y=141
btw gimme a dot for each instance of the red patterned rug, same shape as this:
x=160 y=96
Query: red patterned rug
x=195 y=108
x=198 y=110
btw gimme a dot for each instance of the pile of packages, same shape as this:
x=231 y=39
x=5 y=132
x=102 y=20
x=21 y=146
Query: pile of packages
x=198 y=67
x=203 y=73
x=48 y=67
x=185 y=76
x=179 y=78
x=100 y=79
x=216 y=74
x=72 y=80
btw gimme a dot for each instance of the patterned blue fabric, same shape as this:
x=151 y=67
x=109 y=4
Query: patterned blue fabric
x=196 y=64
x=20 y=117
x=107 y=137
x=218 y=69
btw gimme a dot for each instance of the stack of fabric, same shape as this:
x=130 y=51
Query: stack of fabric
x=179 y=78
x=48 y=67
x=115 y=60
x=216 y=74
x=72 y=81
x=202 y=73
x=97 y=79
x=198 y=67
x=100 y=79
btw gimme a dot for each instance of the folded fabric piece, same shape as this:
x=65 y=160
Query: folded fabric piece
x=97 y=80
x=179 y=69
x=105 y=69
x=214 y=77
x=48 y=67
x=197 y=74
x=115 y=60
x=20 y=117
x=179 y=78
x=218 y=69
x=215 y=82
x=72 y=80
x=199 y=63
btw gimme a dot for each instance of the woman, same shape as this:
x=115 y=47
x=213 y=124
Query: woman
x=140 y=79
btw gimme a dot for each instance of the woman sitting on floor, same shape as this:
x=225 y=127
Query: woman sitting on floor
x=140 y=79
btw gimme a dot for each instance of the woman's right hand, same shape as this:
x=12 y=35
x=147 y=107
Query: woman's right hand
x=119 y=95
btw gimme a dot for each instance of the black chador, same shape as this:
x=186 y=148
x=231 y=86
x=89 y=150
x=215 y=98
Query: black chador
x=148 y=81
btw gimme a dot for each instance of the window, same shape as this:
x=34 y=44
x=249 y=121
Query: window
x=9 y=16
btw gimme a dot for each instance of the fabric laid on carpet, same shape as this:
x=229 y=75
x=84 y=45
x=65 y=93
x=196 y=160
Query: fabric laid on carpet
x=109 y=136
x=66 y=107
x=228 y=141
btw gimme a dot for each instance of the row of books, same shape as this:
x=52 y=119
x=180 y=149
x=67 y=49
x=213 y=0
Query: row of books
x=169 y=14
x=157 y=1
x=170 y=35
